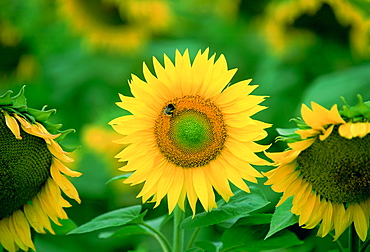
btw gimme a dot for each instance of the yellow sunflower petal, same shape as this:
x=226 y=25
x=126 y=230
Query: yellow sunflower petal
x=301 y=145
x=22 y=228
x=6 y=238
x=13 y=125
x=66 y=186
x=64 y=169
x=360 y=220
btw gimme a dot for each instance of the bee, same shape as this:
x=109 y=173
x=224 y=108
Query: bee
x=169 y=109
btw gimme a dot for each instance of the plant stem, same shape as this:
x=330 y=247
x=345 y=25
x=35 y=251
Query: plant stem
x=354 y=240
x=192 y=238
x=365 y=246
x=178 y=233
x=163 y=242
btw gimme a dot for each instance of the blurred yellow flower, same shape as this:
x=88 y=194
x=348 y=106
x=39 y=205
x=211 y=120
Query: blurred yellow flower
x=118 y=26
x=187 y=135
x=327 y=171
x=32 y=177
x=280 y=15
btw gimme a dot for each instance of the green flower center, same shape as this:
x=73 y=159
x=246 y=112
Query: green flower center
x=24 y=168
x=191 y=131
x=338 y=168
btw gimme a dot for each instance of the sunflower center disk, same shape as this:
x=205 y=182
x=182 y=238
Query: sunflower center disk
x=191 y=131
x=24 y=167
x=192 y=134
x=338 y=168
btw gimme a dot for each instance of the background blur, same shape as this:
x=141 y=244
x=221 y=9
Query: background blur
x=77 y=55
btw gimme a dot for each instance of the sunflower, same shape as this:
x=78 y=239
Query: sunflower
x=114 y=25
x=280 y=15
x=327 y=169
x=187 y=134
x=31 y=178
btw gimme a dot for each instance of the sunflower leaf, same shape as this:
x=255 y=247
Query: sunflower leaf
x=240 y=204
x=282 y=218
x=206 y=245
x=251 y=238
x=122 y=176
x=114 y=218
x=125 y=231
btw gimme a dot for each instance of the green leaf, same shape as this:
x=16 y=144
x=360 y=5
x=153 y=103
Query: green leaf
x=282 y=218
x=206 y=246
x=41 y=115
x=240 y=204
x=114 y=218
x=195 y=250
x=67 y=226
x=19 y=100
x=5 y=99
x=251 y=238
x=255 y=219
x=123 y=176
x=125 y=231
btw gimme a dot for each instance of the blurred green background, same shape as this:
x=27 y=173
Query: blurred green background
x=77 y=55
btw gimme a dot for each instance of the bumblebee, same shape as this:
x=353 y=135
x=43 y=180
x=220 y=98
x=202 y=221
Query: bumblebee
x=169 y=109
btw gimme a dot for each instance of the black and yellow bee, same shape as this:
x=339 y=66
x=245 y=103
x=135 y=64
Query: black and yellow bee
x=169 y=109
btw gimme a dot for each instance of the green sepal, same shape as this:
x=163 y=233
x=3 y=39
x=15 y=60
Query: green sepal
x=300 y=123
x=288 y=135
x=41 y=115
x=6 y=99
x=64 y=133
x=69 y=148
x=359 y=112
x=29 y=118
x=52 y=128
x=19 y=100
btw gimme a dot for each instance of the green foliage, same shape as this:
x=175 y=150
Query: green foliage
x=82 y=82
x=251 y=238
x=240 y=204
x=282 y=218
x=114 y=218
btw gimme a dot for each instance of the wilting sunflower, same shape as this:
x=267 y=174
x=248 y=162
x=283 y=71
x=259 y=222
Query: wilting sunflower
x=188 y=134
x=31 y=173
x=326 y=169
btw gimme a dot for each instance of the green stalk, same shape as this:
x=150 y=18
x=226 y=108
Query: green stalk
x=192 y=238
x=178 y=233
x=354 y=240
x=163 y=242
x=365 y=246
